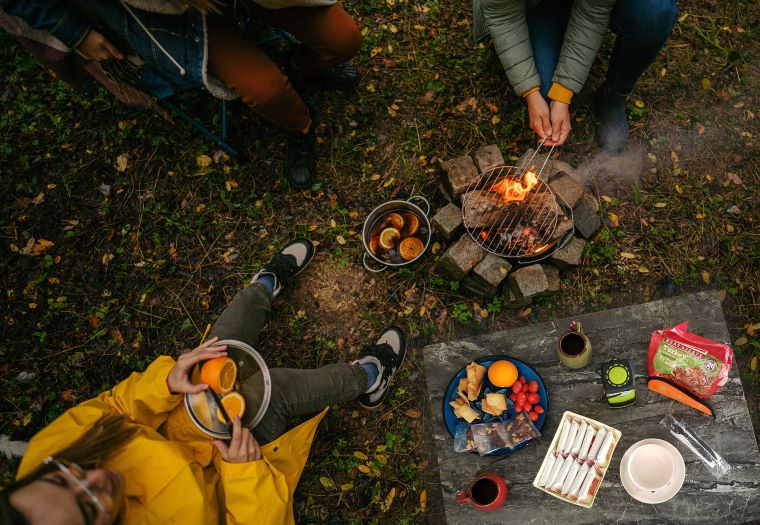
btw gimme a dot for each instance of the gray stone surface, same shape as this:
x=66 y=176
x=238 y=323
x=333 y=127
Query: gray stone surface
x=460 y=258
x=458 y=174
x=552 y=277
x=512 y=302
x=567 y=188
x=585 y=215
x=560 y=166
x=522 y=162
x=570 y=255
x=488 y=157
x=447 y=222
x=528 y=281
x=489 y=273
x=622 y=333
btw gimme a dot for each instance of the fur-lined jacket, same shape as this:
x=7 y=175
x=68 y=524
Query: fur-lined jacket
x=164 y=41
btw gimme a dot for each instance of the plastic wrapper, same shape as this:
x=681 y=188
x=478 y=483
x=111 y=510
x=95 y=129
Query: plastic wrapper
x=694 y=363
x=463 y=441
x=717 y=466
x=496 y=435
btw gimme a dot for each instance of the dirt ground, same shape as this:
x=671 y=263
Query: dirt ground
x=123 y=235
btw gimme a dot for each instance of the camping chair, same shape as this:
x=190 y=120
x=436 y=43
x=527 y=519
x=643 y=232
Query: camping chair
x=220 y=138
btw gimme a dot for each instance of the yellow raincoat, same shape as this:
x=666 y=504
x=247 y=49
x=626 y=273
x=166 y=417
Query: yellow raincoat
x=172 y=472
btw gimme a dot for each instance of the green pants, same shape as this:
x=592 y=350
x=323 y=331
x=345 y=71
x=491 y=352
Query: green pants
x=295 y=392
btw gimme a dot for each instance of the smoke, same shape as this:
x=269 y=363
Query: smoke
x=612 y=174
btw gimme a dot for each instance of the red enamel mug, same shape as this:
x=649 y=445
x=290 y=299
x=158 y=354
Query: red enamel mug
x=486 y=492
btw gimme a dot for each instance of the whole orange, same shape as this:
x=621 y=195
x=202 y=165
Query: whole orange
x=219 y=374
x=502 y=373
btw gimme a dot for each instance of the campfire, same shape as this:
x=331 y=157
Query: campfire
x=514 y=213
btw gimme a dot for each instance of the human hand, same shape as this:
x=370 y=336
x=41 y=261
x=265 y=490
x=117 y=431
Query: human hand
x=243 y=446
x=560 y=116
x=97 y=47
x=178 y=380
x=538 y=114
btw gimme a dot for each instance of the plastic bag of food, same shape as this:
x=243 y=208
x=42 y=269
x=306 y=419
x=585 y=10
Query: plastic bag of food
x=696 y=364
x=495 y=435
x=463 y=441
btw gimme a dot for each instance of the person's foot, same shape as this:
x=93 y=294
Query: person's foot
x=301 y=159
x=387 y=354
x=288 y=263
x=342 y=76
x=612 y=123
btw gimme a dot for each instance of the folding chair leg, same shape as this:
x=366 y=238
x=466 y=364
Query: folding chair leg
x=220 y=141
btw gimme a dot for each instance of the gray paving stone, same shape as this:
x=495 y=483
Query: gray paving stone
x=489 y=273
x=528 y=281
x=522 y=162
x=460 y=258
x=457 y=174
x=587 y=221
x=570 y=255
x=564 y=186
x=447 y=222
x=488 y=157
x=552 y=277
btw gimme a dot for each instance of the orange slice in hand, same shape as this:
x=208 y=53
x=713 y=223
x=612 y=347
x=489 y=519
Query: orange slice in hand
x=219 y=374
x=389 y=237
x=234 y=404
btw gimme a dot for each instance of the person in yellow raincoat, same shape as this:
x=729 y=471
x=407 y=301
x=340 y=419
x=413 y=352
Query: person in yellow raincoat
x=132 y=455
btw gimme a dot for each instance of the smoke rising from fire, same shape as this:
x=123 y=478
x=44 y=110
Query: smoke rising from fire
x=612 y=174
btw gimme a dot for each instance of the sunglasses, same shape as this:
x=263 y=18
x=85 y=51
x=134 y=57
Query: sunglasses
x=79 y=476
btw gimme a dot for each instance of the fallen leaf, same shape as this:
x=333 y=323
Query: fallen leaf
x=172 y=250
x=41 y=246
x=750 y=329
x=39 y=199
x=423 y=500
x=116 y=335
x=346 y=486
x=122 y=163
x=660 y=204
x=706 y=84
x=706 y=276
x=741 y=341
x=699 y=215
x=733 y=177
x=375 y=52
x=69 y=395
x=525 y=312
x=679 y=189
x=360 y=455
x=614 y=221
x=721 y=295
x=363 y=468
x=639 y=103
x=413 y=413
x=700 y=128
x=94 y=321
x=643 y=269
x=495 y=119
x=203 y=161
x=627 y=255
x=386 y=504
x=340 y=239
x=753 y=364
x=327 y=482
x=734 y=210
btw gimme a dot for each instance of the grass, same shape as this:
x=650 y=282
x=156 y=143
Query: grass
x=153 y=233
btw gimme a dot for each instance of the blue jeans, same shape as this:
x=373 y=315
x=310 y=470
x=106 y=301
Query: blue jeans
x=641 y=27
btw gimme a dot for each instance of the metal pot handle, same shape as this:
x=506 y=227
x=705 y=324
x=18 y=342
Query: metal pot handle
x=368 y=267
x=423 y=199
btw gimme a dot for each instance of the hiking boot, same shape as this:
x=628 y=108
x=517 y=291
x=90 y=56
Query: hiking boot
x=612 y=123
x=387 y=354
x=301 y=158
x=291 y=261
x=340 y=77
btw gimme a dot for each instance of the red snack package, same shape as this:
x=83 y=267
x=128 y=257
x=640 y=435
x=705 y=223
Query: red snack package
x=696 y=364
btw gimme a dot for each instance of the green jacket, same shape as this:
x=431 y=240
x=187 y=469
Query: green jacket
x=505 y=21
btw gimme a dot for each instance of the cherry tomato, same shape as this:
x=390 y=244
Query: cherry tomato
x=528 y=407
x=518 y=408
x=513 y=397
x=516 y=387
x=533 y=386
x=522 y=398
x=533 y=416
x=538 y=409
x=533 y=398
x=522 y=380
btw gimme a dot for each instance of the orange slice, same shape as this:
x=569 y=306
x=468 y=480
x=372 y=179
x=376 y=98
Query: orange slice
x=374 y=243
x=219 y=374
x=394 y=220
x=411 y=224
x=389 y=237
x=410 y=248
x=234 y=404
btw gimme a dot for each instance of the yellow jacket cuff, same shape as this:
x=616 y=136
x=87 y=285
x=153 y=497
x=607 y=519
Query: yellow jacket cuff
x=531 y=90
x=560 y=93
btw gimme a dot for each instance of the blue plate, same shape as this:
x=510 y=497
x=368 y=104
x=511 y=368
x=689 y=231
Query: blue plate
x=523 y=369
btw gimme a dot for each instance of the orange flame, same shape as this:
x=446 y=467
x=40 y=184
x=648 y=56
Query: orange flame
x=515 y=189
x=538 y=249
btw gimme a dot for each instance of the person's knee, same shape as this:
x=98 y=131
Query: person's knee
x=345 y=41
x=264 y=88
x=653 y=18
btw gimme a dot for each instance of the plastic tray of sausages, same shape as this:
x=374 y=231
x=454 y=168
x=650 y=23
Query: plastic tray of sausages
x=577 y=459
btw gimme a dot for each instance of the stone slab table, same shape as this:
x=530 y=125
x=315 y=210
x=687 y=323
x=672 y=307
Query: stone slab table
x=623 y=332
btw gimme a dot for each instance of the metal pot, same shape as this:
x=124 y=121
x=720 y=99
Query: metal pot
x=202 y=408
x=395 y=206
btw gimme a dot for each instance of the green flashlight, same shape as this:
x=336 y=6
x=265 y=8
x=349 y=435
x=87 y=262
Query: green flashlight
x=617 y=380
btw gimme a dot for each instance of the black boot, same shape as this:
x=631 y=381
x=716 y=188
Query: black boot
x=612 y=123
x=341 y=77
x=301 y=158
